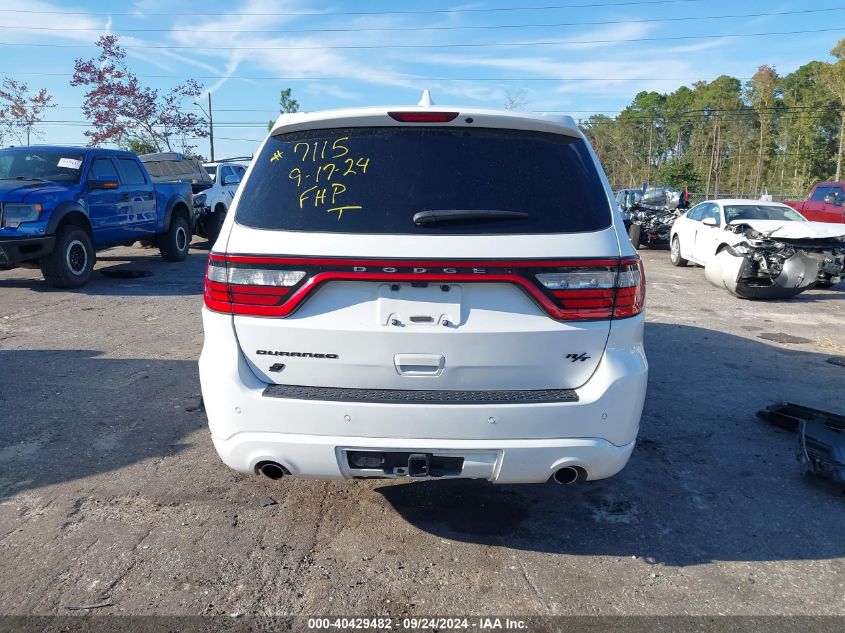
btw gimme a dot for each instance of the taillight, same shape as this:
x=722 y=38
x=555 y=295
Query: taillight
x=597 y=292
x=423 y=117
x=630 y=288
x=568 y=290
x=239 y=289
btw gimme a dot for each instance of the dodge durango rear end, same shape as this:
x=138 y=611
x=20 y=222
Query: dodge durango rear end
x=411 y=292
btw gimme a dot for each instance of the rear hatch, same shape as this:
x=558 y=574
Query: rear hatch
x=423 y=256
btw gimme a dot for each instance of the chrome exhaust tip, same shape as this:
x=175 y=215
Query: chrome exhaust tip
x=271 y=470
x=568 y=475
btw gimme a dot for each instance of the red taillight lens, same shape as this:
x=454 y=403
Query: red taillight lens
x=597 y=292
x=423 y=117
x=630 y=289
x=582 y=292
x=235 y=289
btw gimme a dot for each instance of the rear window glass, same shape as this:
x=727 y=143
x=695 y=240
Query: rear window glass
x=374 y=180
x=132 y=174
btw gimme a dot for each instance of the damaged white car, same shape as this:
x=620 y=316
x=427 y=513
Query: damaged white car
x=758 y=250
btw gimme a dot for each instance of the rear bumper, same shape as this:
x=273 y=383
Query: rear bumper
x=15 y=250
x=505 y=443
x=499 y=461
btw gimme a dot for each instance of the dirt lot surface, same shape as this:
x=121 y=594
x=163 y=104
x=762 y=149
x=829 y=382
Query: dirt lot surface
x=109 y=484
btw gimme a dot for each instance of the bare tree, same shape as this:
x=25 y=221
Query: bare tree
x=22 y=111
x=515 y=100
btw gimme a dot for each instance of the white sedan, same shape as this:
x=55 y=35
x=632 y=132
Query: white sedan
x=757 y=249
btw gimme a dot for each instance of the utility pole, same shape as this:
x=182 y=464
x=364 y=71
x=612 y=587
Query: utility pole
x=210 y=128
x=210 y=124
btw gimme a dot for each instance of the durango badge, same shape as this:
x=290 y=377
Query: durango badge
x=266 y=352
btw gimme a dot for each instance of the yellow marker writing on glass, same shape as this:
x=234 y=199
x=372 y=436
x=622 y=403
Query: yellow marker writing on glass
x=340 y=210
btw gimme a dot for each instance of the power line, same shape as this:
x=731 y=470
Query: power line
x=730 y=115
x=781 y=109
x=399 y=76
x=436 y=28
x=333 y=13
x=432 y=46
x=271 y=110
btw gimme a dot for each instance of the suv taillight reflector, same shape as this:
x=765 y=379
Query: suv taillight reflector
x=568 y=290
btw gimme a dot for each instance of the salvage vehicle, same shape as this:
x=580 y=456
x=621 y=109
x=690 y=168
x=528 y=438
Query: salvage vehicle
x=60 y=205
x=649 y=212
x=212 y=195
x=428 y=293
x=226 y=177
x=826 y=203
x=757 y=249
x=238 y=168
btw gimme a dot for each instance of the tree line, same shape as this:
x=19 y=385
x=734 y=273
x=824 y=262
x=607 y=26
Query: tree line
x=773 y=133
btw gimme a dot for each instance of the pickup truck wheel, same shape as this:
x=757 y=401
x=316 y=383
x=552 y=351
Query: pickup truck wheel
x=71 y=261
x=675 y=253
x=214 y=223
x=175 y=243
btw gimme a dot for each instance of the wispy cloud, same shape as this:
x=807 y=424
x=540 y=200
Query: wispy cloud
x=32 y=26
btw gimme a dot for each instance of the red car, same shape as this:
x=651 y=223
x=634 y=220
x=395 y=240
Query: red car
x=826 y=203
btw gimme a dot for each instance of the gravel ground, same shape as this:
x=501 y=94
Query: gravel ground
x=109 y=484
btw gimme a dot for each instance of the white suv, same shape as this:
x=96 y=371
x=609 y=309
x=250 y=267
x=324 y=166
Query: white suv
x=421 y=292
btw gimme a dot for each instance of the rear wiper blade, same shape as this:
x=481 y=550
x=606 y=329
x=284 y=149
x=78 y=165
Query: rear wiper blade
x=453 y=215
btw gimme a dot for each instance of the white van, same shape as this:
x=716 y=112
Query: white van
x=424 y=292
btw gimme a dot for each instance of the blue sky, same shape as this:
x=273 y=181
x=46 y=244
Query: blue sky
x=571 y=58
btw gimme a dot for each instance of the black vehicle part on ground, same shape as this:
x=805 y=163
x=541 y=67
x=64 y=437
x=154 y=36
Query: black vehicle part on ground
x=126 y=273
x=821 y=437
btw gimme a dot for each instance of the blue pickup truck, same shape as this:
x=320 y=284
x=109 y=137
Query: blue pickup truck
x=60 y=205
